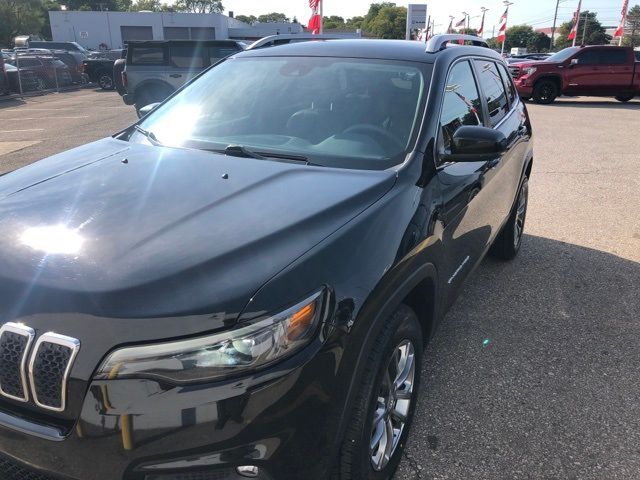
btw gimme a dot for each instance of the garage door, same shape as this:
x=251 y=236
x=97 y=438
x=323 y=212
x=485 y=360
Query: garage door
x=176 y=33
x=203 y=33
x=130 y=32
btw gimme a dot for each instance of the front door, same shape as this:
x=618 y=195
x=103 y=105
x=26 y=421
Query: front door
x=470 y=208
x=586 y=73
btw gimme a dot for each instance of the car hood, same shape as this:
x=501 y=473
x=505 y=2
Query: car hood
x=113 y=228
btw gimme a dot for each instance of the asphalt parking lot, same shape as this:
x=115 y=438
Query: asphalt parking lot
x=535 y=372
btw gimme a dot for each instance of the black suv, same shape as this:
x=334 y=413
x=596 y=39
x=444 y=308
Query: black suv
x=242 y=283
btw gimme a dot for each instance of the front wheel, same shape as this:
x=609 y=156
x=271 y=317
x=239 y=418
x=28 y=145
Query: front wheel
x=507 y=243
x=105 y=81
x=624 y=98
x=545 y=92
x=379 y=426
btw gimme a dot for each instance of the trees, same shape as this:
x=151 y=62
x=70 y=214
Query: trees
x=273 y=17
x=522 y=36
x=332 y=22
x=596 y=34
x=247 y=18
x=199 y=6
x=19 y=17
x=385 y=20
x=632 y=28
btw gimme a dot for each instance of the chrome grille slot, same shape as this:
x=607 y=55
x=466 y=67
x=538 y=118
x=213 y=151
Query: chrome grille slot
x=15 y=341
x=49 y=370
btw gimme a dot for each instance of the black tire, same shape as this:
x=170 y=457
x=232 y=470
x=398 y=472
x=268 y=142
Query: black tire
x=356 y=461
x=507 y=244
x=624 y=98
x=105 y=81
x=545 y=91
x=525 y=99
x=150 y=95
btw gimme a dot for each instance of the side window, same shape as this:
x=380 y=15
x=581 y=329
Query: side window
x=508 y=82
x=461 y=106
x=186 y=57
x=493 y=89
x=590 y=57
x=147 y=56
x=614 y=56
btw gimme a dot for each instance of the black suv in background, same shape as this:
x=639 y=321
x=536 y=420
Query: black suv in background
x=155 y=69
x=242 y=284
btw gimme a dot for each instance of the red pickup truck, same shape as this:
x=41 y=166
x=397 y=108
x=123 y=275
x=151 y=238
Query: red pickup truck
x=603 y=71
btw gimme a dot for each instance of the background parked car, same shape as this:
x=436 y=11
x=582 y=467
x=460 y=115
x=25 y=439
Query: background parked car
x=100 y=68
x=74 y=61
x=28 y=81
x=68 y=46
x=156 y=69
x=49 y=71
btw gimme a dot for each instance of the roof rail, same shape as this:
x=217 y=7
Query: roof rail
x=439 y=42
x=288 y=37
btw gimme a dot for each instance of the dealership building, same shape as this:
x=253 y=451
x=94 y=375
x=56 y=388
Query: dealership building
x=114 y=29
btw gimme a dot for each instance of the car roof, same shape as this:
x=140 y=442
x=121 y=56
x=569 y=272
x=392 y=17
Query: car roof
x=365 y=48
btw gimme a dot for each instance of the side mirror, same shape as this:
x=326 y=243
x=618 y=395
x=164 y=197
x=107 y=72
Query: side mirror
x=147 y=109
x=575 y=61
x=476 y=144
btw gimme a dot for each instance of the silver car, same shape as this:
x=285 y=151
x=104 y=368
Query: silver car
x=156 y=69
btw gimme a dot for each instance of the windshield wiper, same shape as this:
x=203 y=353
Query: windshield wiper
x=241 y=151
x=150 y=135
x=244 y=152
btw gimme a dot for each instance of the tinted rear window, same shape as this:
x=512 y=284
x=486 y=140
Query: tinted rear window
x=147 y=55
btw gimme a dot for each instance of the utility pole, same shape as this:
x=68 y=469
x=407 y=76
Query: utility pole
x=584 y=31
x=553 y=29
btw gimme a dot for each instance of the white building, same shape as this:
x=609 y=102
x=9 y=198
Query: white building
x=92 y=29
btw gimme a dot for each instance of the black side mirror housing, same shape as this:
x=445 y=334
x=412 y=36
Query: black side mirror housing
x=147 y=109
x=476 y=144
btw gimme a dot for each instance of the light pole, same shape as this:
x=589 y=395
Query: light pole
x=484 y=11
x=507 y=4
x=553 y=29
x=450 y=30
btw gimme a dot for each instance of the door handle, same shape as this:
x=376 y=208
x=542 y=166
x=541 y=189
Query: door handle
x=175 y=75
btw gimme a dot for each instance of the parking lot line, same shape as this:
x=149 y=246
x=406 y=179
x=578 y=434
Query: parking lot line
x=9 y=147
x=25 y=130
x=48 y=118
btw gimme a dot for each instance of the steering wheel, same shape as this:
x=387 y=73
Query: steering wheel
x=376 y=132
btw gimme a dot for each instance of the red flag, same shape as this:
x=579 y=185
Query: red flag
x=576 y=21
x=620 y=29
x=315 y=22
x=502 y=31
x=462 y=22
x=481 y=29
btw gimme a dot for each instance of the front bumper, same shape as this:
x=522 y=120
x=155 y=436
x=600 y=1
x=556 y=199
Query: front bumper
x=283 y=420
x=524 y=86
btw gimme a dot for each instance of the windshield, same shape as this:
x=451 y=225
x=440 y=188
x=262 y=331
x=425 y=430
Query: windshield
x=339 y=112
x=563 y=55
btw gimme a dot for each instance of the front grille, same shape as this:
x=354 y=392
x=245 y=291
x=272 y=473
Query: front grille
x=10 y=470
x=49 y=370
x=15 y=341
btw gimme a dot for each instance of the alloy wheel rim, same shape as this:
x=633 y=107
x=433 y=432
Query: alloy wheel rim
x=521 y=213
x=105 y=81
x=392 y=405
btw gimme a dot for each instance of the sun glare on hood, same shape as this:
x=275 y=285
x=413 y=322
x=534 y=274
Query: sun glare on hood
x=53 y=239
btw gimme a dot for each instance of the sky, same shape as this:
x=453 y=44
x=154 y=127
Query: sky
x=537 y=13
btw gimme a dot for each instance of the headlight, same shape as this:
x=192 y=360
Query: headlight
x=221 y=354
x=530 y=70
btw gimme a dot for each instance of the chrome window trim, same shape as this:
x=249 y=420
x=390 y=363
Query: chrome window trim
x=69 y=342
x=30 y=333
